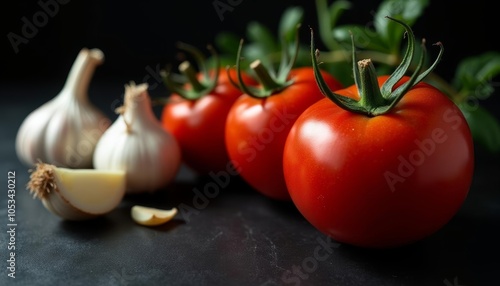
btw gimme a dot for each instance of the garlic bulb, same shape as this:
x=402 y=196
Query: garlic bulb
x=137 y=143
x=77 y=194
x=64 y=130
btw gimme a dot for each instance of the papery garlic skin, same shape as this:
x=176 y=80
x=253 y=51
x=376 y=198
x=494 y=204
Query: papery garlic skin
x=137 y=143
x=65 y=130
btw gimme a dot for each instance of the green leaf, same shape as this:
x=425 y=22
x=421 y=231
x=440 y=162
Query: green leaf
x=474 y=75
x=336 y=10
x=303 y=56
x=261 y=35
x=484 y=126
x=328 y=16
x=227 y=43
x=254 y=51
x=407 y=11
x=363 y=38
x=289 y=20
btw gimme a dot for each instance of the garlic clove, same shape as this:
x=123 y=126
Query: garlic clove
x=77 y=194
x=151 y=216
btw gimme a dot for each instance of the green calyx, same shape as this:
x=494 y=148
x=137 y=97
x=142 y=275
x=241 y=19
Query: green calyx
x=374 y=99
x=270 y=81
x=197 y=87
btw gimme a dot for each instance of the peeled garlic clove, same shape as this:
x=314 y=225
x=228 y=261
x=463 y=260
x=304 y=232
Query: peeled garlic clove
x=77 y=194
x=151 y=216
x=64 y=130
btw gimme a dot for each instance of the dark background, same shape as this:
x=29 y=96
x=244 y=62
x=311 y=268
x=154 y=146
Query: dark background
x=136 y=34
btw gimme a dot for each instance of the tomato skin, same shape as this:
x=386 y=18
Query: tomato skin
x=382 y=181
x=256 y=131
x=199 y=124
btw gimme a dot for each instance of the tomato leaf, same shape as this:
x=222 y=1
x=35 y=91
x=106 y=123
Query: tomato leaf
x=253 y=51
x=336 y=10
x=408 y=11
x=484 y=126
x=328 y=16
x=386 y=35
x=363 y=37
x=262 y=36
x=289 y=20
x=474 y=75
x=227 y=43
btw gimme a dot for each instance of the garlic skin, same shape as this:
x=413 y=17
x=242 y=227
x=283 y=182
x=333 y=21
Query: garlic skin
x=77 y=194
x=137 y=143
x=64 y=130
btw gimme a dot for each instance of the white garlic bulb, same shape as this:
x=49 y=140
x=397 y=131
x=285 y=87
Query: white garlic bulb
x=137 y=143
x=65 y=130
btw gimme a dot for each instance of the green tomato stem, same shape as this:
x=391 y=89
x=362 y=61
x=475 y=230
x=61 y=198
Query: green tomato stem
x=190 y=73
x=375 y=100
x=392 y=60
x=263 y=76
x=198 y=89
x=343 y=102
x=270 y=83
x=369 y=86
x=344 y=56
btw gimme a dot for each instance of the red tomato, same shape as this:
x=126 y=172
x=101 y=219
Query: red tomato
x=199 y=124
x=381 y=181
x=256 y=129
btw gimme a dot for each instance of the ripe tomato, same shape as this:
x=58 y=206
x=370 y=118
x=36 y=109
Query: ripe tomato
x=385 y=180
x=198 y=124
x=256 y=129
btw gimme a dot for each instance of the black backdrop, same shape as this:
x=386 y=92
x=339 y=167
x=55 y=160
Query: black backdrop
x=138 y=36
